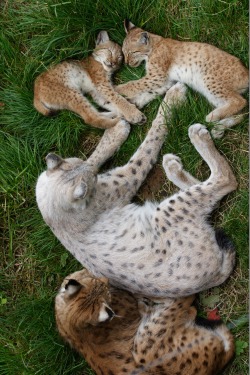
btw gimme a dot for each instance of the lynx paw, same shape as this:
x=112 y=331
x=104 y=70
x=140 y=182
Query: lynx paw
x=172 y=164
x=198 y=133
x=136 y=117
x=217 y=132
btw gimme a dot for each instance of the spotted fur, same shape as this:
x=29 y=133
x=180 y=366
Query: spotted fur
x=164 y=249
x=219 y=76
x=64 y=85
x=138 y=337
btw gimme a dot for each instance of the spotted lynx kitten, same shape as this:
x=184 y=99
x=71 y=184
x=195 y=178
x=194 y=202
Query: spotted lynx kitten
x=118 y=334
x=220 y=77
x=64 y=86
x=165 y=249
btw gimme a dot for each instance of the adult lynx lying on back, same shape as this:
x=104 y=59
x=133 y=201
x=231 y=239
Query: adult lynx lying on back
x=64 y=85
x=159 y=249
x=220 y=77
x=117 y=334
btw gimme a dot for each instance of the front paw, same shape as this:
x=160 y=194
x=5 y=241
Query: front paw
x=198 y=133
x=172 y=164
x=135 y=117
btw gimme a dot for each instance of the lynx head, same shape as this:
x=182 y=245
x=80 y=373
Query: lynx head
x=67 y=184
x=108 y=53
x=83 y=300
x=136 y=46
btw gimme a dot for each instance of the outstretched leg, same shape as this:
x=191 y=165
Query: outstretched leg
x=221 y=173
x=73 y=100
x=220 y=126
x=110 y=142
x=227 y=111
x=128 y=179
x=203 y=195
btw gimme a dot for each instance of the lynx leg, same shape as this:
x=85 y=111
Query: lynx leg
x=221 y=173
x=130 y=177
x=74 y=101
x=175 y=173
x=226 y=114
x=110 y=142
x=220 y=127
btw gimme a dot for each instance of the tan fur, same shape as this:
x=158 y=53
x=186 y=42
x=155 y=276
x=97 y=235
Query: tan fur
x=142 y=337
x=64 y=86
x=219 y=76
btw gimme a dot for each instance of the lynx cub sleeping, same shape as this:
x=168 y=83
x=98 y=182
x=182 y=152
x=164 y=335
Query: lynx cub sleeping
x=117 y=334
x=64 y=85
x=165 y=249
x=220 y=77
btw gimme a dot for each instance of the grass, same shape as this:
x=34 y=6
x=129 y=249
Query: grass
x=33 y=263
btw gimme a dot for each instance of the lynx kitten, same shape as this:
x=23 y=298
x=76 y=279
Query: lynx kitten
x=118 y=334
x=64 y=86
x=220 y=77
x=164 y=249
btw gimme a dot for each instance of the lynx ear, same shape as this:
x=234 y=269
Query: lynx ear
x=53 y=161
x=144 y=38
x=128 y=25
x=106 y=313
x=102 y=37
x=80 y=190
x=72 y=287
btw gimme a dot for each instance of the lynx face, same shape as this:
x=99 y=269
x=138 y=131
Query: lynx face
x=66 y=181
x=108 y=53
x=83 y=299
x=136 y=46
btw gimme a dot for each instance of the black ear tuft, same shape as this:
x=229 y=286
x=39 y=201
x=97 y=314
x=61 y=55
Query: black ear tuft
x=128 y=25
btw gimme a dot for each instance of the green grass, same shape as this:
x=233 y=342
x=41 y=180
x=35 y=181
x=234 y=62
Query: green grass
x=34 y=34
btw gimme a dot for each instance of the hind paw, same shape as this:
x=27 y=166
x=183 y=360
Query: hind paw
x=198 y=132
x=217 y=132
x=172 y=164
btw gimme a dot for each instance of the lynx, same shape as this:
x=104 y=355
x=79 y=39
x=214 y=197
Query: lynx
x=118 y=334
x=160 y=250
x=64 y=86
x=219 y=76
